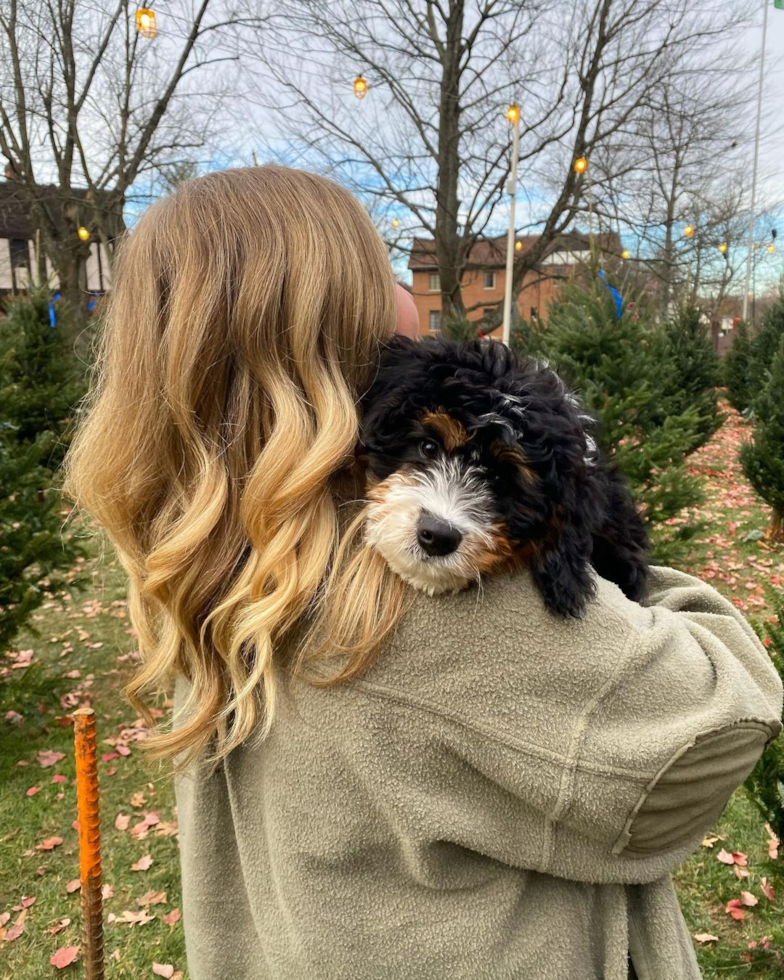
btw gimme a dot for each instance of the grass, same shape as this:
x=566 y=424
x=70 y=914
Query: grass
x=92 y=635
x=89 y=635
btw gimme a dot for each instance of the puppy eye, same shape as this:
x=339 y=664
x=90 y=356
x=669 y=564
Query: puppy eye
x=428 y=448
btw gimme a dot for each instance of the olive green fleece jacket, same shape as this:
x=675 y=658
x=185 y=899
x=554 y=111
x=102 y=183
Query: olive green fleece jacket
x=502 y=795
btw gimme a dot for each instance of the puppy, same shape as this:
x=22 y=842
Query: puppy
x=478 y=461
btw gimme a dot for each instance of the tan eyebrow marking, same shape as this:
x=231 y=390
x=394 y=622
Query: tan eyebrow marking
x=514 y=455
x=451 y=432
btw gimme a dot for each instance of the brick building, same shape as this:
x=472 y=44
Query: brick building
x=484 y=275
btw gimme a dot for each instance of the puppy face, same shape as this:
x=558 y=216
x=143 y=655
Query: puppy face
x=476 y=462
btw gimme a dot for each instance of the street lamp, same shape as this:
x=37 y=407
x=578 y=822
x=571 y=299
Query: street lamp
x=360 y=87
x=83 y=233
x=145 y=22
x=580 y=165
x=513 y=118
x=518 y=246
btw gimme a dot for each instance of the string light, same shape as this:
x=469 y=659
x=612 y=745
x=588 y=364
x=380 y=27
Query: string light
x=145 y=22
x=512 y=114
x=580 y=165
x=395 y=223
x=360 y=87
x=625 y=253
x=689 y=230
x=83 y=233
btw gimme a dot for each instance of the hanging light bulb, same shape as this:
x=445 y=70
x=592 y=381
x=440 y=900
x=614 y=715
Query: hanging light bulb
x=771 y=248
x=145 y=22
x=689 y=230
x=723 y=247
x=625 y=253
x=512 y=114
x=395 y=223
x=83 y=233
x=360 y=87
x=580 y=165
x=518 y=246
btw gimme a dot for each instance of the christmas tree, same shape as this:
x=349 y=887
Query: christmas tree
x=39 y=385
x=765 y=345
x=765 y=785
x=689 y=374
x=608 y=350
x=737 y=369
x=763 y=457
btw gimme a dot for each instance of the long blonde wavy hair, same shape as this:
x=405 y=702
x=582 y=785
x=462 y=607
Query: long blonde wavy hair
x=245 y=317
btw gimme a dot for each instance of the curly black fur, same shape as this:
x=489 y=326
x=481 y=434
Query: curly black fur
x=579 y=510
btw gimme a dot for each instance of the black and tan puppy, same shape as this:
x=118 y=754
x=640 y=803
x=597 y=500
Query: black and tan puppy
x=480 y=461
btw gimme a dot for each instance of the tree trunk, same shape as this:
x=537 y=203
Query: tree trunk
x=448 y=244
x=775 y=530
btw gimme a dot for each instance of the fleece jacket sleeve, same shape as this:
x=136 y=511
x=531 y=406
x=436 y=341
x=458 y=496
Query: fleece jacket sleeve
x=599 y=751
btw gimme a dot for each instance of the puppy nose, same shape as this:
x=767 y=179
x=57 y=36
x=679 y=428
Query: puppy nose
x=436 y=537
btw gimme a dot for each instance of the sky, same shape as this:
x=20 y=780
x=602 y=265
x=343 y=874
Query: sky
x=772 y=133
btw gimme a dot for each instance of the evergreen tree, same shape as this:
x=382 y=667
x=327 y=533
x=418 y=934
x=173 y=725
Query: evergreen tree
x=765 y=785
x=690 y=372
x=737 y=369
x=612 y=356
x=459 y=328
x=763 y=457
x=765 y=345
x=39 y=384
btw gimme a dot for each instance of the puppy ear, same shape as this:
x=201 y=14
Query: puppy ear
x=563 y=574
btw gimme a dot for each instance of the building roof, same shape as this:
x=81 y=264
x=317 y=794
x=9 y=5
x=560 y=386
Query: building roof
x=490 y=253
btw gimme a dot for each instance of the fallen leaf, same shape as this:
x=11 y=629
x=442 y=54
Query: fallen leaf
x=107 y=892
x=767 y=891
x=49 y=758
x=172 y=917
x=740 y=873
x=4 y=917
x=131 y=917
x=138 y=799
x=64 y=956
x=725 y=857
x=142 y=864
x=57 y=778
x=122 y=820
x=49 y=844
x=163 y=970
x=151 y=898
x=740 y=858
x=711 y=839
x=705 y=937
x=733 y=908
x=17 y=928
x=73 y=886
x=33 y=790
x=58 y=927
x=748 y=899
x=24 y=904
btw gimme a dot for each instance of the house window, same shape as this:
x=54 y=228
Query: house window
x=489 y=280
x=20 y=256
x=435 y=282
x=434 y=321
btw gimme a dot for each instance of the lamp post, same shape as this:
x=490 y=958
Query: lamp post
x=513 y=117
x=756 y=156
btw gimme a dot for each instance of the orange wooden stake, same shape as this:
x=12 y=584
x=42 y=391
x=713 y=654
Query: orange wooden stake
x=89 y=843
